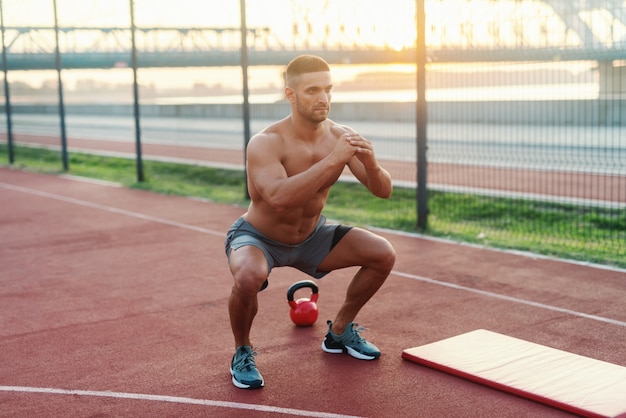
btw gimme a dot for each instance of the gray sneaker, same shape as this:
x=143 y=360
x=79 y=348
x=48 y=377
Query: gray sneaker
x=243 y=369
x=351 y=342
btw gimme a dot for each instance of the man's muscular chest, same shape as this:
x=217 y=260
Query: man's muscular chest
x=299 y=156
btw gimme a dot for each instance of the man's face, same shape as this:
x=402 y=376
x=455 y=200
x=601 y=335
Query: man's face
x=311 y=95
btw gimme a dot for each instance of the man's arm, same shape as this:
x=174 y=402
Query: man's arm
x=374 y=177
x=364 y=165
x=269 y=177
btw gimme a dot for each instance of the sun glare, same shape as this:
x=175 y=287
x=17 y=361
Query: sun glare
x=388 y=24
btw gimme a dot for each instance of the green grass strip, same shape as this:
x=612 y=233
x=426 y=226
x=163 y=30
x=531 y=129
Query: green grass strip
x=590 y=234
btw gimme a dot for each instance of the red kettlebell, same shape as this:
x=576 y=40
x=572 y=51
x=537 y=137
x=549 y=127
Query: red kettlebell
x=303 y=311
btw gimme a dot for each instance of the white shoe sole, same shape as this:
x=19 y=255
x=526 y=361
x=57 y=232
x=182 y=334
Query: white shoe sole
x=351 y=351
x=240 y=385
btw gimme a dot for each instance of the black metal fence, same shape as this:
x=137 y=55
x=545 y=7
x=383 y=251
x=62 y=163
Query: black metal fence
x=525 y=116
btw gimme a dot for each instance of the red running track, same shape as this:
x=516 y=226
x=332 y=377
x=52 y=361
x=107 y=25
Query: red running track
x=113 y=302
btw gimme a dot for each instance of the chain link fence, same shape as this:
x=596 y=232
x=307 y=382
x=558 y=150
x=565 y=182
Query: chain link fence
x=526 y=111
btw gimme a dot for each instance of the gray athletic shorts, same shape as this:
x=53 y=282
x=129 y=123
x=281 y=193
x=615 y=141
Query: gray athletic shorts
x=305 y=256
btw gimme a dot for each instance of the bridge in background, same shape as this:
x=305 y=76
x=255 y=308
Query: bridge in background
x=550 y=30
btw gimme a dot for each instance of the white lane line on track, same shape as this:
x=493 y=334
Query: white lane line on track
x=172 y=399
x=397 y=273
x=511 y=299
x=112 y=210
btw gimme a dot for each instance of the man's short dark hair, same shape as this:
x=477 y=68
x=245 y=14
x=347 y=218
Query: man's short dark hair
x=304 y=64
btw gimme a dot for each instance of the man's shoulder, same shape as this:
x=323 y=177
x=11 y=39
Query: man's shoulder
x=337 y=129
x=266 y=136
x=274 y=131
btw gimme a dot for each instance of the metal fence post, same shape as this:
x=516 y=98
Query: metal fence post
x=7 y=97
x=421 y=116
x=246 y=102
x=57 y=55
x=139 y=161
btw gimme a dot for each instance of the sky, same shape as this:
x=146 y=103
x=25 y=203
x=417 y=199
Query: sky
x=367 y=21
x=390 y=21
x=374 y=22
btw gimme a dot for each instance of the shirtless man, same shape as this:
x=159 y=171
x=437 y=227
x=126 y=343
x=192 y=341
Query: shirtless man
x=291 y=166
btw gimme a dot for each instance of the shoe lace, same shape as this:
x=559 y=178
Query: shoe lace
x=355 y=336
x=245 y=361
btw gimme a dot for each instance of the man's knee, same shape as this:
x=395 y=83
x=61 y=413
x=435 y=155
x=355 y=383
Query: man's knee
x=249 y=269
x=249 y=279
x=249 y=274
x=385 y=255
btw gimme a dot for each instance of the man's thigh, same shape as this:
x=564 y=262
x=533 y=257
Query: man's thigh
x=357 y=248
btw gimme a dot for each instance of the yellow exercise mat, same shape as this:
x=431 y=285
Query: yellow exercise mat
x=567 y=381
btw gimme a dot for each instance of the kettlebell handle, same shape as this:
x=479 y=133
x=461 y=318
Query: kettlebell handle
x=299 y=285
